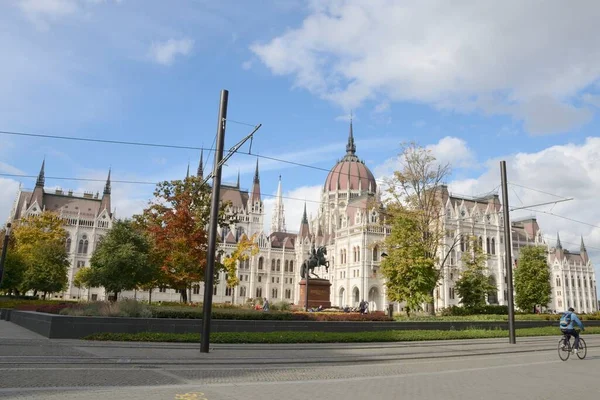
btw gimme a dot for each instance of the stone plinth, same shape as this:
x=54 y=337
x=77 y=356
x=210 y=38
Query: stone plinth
x=319 y=291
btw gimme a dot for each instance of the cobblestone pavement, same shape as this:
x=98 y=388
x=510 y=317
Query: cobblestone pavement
x=32 y=367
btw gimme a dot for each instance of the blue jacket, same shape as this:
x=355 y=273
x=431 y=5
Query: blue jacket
x=574 y=319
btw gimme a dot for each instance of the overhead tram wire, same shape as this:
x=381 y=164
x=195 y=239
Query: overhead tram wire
x=536 y=190
x=563 y=217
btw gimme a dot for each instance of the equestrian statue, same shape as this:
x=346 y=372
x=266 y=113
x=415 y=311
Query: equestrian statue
x=316 y=259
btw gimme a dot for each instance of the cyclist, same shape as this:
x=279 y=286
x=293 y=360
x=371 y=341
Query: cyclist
x=567 y=327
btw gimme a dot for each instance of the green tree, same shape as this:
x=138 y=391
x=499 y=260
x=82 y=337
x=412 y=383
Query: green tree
x=532 y=278
x=474 y=283
x=40 y=242
x=409 y=272
x=123 y=260
x=14 y=268
x=414 y=192
x=82 y=279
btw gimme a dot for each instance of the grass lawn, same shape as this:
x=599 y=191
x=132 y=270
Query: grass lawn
x=330 y=337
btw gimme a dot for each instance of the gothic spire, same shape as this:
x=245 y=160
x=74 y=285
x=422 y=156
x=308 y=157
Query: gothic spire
x=558 y=244
x=256 y=179
x=200 y=167
x=278 y=220
x=187 y=175
x=107 y=186
x=582 y=247
x=350 y=147
x=304 y=217
x=238 y=180
x=41 y=180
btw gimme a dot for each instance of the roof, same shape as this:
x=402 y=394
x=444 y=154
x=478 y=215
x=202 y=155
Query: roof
x=86 y=206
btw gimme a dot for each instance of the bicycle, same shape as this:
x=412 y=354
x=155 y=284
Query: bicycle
x=565 y=348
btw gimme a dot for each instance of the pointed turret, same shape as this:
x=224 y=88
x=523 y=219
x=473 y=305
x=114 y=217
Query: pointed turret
x=238 y=180
x=105 y=203
x=200 y=173
x=41 y=180
x=583 y=252
x=107 y=185
x=38 y=193
x=559 y=249
x=558 y=244
x=350 y=146
x=187 y=175
x=278 y=220
x=304 y=229
x=256 y=185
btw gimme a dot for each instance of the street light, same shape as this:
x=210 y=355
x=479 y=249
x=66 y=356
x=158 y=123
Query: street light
x=4 y=249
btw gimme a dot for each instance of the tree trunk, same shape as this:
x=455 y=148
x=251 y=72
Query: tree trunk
x=135 y=294
x=407 y=312
x=150 y=296
x=116 y=296
x=190 y=293
x=183 y=295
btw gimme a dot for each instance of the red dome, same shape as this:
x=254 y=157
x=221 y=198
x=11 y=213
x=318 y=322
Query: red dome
x=350 y=170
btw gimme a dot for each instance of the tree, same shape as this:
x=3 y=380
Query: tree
x=14 y=268
x=176 y=221
x=413 y=192
x=410 y=274
x=82 y=279
x=40 y=241
x=245 y=248
x=474 y=283
x=123 y=260
x=532 y=278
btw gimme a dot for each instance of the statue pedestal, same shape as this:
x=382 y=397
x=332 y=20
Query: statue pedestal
x=319 y=293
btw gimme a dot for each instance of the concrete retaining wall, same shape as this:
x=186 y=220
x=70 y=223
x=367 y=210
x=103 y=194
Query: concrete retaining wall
x=68 y=327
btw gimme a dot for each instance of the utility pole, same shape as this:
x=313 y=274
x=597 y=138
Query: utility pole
x=306 y=286
x=508 y=254
x=4 y=250
x=214 y=219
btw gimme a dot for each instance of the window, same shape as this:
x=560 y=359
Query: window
x=272 y=279
x=288 y=293
x=228 y=291
x=273 y=265
x=68 y=245
x=375 y=253
x=242 y=291
x=358 y=254
x=94 y=297
x=196 y=289
x=493 y=245
x=487 y=244
x=274 y=293
x=462 y=243
x=287 y=265
x=258 y=292
x=480 y=242
x=83 y=245
x=214 y=291
x=291 y=266
x=162 y=289
x=557 y=281
x=278 y=265
x=80 y=264
x=451 y=293
x=259 y=279
x=261 y=261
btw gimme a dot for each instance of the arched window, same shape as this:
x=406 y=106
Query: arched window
x=480 y=242
x=462 y=243
x=83 y=245
x=242 y=291
x=258 y=292
x=287 y=265
x=487 y=243
x=273 y=265
x=291 y=266
x=375 y=253
x=358 y=253
x=261 y=261
x=68 y=245
x=278 y=265
x=493 y=245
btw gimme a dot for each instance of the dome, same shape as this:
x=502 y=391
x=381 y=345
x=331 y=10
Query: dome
x=351 y=171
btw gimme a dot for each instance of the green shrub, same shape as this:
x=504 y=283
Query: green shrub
x=281 y=306
x=487 y=309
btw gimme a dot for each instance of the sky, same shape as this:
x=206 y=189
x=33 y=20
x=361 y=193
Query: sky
x=474 y=81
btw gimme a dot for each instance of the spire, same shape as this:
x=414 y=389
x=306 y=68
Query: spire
x=278 y=220
x=187 y=175
x=200 y=167
x=304 y=217
x=304 y=228
x=351 y=147
x=558 y=244
x=238 y=180
x=41 y=180
x=582 y=247
x=256 y=179
x=107 y=186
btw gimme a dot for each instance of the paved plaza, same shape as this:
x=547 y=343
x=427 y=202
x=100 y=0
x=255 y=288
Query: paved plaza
x=33 y=367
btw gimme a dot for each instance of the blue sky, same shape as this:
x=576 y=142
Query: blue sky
x=476 y=82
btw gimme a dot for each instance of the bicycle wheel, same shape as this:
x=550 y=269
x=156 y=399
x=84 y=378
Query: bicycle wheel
x=582 y=349
x=564 y=349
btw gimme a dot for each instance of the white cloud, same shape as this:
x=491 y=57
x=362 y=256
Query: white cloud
x=40 y=12
x=165 y=52
x=293 y=205
x=511 y=58
x=447 y=150
x=247 y=64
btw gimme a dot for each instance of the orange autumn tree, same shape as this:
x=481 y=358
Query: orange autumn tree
x=177 y=220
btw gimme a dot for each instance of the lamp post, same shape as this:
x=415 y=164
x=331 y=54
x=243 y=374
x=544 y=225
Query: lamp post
x=4 y=249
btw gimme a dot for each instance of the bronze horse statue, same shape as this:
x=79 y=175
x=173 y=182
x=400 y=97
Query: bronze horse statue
x=317 y=258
